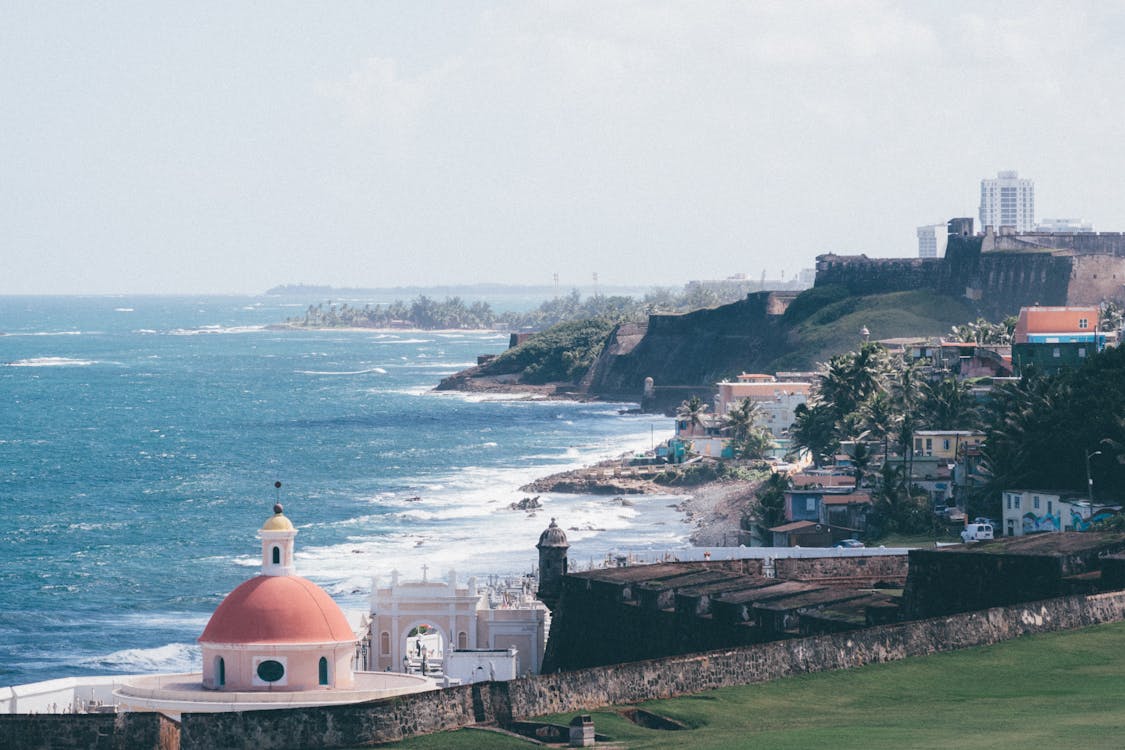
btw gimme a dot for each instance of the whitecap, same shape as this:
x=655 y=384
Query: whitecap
x=51 y=362
x=123 y=309
x=171 y=658
x=216 y=329
x=47 y=333
x=376 y=370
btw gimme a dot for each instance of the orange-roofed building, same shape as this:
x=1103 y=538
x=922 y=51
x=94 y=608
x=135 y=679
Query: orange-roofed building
x=1053 y=338
x=1036 y=324
x=776 y=399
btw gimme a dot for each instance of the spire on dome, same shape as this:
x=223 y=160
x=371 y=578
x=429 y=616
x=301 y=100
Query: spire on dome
x=277 y=543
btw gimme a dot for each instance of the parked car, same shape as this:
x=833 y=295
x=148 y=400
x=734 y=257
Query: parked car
x=977 y=532
x=849 y=544
x=954 y=515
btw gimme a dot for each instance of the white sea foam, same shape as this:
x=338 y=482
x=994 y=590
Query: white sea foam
x=463 y=521
x=420 y=390
x=451 y=366
x=171 y=658
x=376 y=370
x=52 y=362
x=393 y=340
x=192 y=620
x=216 y=329
x=123 y=309
x=47 y=333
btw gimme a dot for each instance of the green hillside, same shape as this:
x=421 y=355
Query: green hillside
x=827 y=321
x=1053 y=690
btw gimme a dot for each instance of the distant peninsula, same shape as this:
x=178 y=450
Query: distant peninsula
x=488 y=289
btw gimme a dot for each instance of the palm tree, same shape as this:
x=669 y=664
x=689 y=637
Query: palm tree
x=771 y=500
x=692 y=411
x=741 y=418
x=948 y=405
x=879 y=418
x=814 y=429
x=849 y=379
x=906 y=386
x=755 y=444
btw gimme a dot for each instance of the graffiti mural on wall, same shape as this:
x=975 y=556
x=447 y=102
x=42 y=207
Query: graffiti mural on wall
x=1053 y=521
x=1046 y=522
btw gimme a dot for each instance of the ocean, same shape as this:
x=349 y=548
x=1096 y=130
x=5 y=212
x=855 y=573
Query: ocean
x=140 y=439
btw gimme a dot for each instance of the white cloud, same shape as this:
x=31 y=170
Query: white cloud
x=378 y=98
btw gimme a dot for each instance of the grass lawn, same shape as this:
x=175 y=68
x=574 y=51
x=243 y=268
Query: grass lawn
x=1060 y=690
x=917 y=540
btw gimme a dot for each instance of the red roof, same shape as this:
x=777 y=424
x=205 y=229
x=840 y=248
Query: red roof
x=849 y=499
x=794 y=526
x=277 y=609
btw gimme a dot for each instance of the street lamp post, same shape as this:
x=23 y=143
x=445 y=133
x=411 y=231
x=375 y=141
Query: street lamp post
x=1089 y=479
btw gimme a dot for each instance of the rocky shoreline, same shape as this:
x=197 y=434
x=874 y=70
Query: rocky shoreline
x=715 y=508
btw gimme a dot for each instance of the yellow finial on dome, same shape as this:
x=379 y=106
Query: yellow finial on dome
x=277 y=522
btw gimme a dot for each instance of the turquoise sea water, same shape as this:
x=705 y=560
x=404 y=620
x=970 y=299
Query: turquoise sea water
x=140 y=439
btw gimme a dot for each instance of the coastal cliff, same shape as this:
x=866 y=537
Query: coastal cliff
x=683 y=353
x=686 y=354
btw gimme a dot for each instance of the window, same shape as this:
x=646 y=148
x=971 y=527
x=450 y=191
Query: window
x=917 y=445
x=462 y=640
x=1083 y=323
x=385 y=644
x=945 y=444
x=1016 y=501
x=221 y=672
x=322 y=671
x=270 y=670
x=929 y=444
x=1035 y=502
x=277 y=555
x=810 y=504
x=1009 y=499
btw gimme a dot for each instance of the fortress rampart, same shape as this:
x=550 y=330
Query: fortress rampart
x=998 y=273
x=581 y=690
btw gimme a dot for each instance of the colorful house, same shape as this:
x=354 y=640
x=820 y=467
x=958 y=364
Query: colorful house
x=838 y=506
x=776 y=399
x=1034 y=511
x=946 y=444
x=1053 y=338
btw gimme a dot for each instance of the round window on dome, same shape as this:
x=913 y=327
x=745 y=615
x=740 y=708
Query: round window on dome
x=271 y=671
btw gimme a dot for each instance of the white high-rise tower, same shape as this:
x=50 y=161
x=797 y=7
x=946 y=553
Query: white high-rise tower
x=1007 y=201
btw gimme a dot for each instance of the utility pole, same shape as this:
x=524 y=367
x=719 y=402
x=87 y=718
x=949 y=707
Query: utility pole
x=1089 y=479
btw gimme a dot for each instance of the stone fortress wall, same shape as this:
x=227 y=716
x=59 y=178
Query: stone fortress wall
x=998 y=272
x=581 y=690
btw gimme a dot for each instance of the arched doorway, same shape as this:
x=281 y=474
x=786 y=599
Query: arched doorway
x=424 y=649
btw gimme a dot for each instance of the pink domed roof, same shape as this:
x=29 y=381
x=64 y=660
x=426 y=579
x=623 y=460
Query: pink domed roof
x=277 y=609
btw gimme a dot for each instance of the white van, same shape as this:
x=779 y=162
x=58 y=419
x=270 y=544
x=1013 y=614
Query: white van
x=977 y=532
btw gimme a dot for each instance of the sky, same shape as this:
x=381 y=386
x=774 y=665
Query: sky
x=193 y=147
